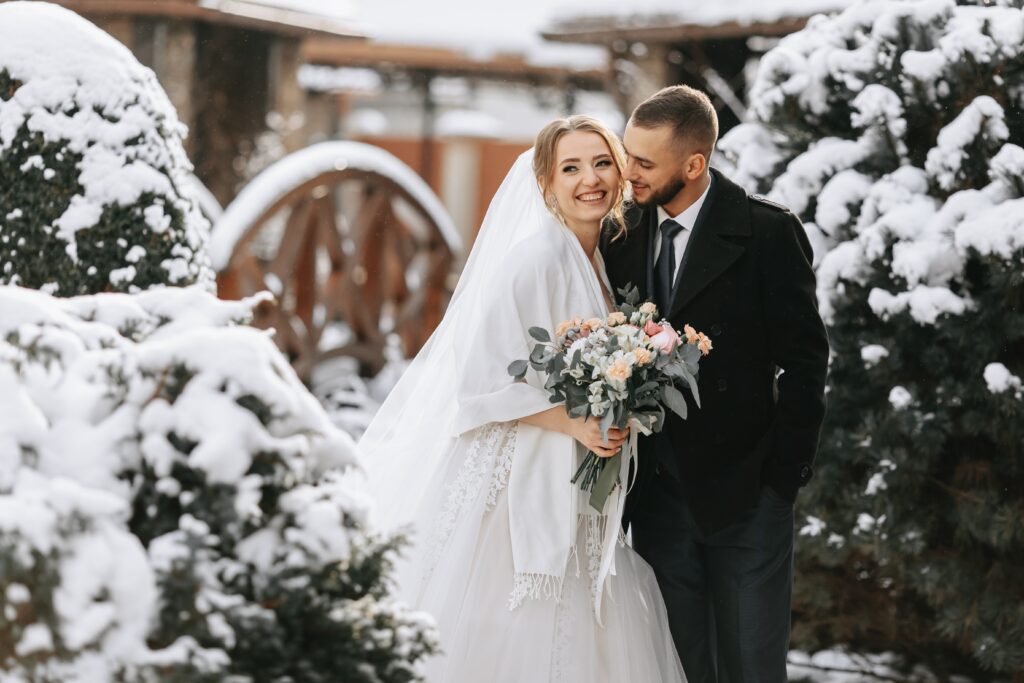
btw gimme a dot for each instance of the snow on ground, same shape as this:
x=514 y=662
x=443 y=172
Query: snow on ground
x=837 y=666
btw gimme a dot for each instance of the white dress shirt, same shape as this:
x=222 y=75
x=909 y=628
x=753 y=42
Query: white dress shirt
x=686 y=219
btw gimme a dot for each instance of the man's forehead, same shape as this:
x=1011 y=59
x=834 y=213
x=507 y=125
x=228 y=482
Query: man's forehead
x=645 y=141
x=638 y=133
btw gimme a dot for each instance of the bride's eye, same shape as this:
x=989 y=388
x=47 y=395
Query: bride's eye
x=568 y=169
x=604 y=163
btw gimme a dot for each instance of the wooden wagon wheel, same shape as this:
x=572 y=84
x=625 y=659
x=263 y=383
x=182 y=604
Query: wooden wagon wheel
x=353 y=245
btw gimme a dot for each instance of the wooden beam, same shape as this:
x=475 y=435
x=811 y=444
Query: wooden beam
x=606 y=32
x=231 y=13
x=374 y=55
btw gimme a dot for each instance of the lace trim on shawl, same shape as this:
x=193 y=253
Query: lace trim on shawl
x=502 y=467
x=535 y=587
x=494 y=442
x=546 y=587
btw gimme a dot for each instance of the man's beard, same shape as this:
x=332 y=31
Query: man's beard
x=664 y=194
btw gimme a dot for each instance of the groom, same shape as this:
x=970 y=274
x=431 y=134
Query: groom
x=712 y=507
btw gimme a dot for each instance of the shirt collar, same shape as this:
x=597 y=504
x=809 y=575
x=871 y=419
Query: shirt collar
x=688 y=217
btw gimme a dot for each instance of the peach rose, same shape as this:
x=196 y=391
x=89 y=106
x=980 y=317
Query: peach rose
x=666 y=340
x=616 y=318
x=691 y=334
x=643 y=356
x=704 y=344
x=651 y=328
x=619 y=370
x=566 y=326
x=648 y=308
x=593 y=323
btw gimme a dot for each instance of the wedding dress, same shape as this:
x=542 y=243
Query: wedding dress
x=526 y=582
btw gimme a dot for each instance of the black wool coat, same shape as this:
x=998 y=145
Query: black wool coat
x=747 y=282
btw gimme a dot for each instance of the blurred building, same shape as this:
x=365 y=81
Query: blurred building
x=714 y=46
x=228 y=67
x=256 y=79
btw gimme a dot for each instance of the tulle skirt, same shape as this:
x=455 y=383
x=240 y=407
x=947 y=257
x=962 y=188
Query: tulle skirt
x=462 y=573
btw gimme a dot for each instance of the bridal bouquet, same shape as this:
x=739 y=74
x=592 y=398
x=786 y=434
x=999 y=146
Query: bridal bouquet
x=625 y=369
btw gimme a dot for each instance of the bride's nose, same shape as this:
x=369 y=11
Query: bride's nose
x=590 y=177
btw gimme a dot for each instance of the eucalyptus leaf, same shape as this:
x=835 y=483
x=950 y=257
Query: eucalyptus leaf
x=537 y=355
x=690 y=353
x=518 y=368
x=693 y=388
x=630 y=294
x=540 y=334
x=675 y=369
x=647 y=386
x=674 y=400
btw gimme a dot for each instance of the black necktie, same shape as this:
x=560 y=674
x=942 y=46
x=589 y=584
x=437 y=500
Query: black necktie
x=665 y=265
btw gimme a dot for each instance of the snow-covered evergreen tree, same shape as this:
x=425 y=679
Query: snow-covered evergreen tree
x=171 y=507
x=896 y=132
x=93 y=174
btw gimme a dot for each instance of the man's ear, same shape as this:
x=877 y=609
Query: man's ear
x=696 y=165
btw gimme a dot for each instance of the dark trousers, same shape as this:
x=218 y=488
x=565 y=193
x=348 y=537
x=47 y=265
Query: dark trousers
x=728 y=593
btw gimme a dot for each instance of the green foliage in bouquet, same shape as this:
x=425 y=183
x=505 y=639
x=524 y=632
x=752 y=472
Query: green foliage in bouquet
x=621 y=370
x=896 y=131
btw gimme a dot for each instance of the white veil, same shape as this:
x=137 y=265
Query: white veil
x=405 y=443
x=526 y=269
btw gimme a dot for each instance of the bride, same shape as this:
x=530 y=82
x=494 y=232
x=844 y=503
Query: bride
x=526 y=581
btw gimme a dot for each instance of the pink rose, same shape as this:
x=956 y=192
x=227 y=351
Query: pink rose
x=652 y=328
x=666 y=340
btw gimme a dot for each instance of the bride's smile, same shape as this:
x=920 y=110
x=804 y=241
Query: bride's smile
x=584 y=180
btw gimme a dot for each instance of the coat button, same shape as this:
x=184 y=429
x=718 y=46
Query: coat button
x=716 y=330
x=722 y=385
x=805 y=473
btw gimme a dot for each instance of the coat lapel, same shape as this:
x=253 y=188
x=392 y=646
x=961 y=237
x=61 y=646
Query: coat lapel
x=712 y=247
x=629 y=256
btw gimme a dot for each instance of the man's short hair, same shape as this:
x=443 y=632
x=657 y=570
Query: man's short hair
x=687 y=111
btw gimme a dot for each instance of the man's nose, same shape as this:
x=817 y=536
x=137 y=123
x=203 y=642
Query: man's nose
x=632 y=170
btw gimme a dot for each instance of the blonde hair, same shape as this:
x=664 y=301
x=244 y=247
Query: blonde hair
x=544 y=160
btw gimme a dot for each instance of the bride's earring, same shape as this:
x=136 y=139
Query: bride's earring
x=553 y=207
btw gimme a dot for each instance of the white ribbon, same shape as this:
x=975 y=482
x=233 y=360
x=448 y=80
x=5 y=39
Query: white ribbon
x=613 y=521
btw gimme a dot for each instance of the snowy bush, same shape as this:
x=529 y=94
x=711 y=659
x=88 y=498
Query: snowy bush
x=93 y=174
x=172 y=508
x=896 y=131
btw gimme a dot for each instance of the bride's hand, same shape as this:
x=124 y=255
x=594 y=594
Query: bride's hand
x=588 y=433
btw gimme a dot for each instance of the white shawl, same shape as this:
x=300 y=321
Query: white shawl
x=526 y=270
